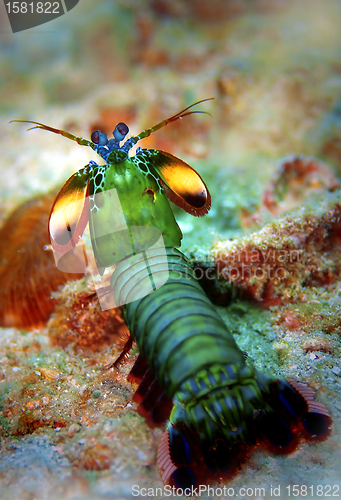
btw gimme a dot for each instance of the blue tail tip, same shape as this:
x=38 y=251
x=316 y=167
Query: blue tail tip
x=184 y=478
x=315 y=423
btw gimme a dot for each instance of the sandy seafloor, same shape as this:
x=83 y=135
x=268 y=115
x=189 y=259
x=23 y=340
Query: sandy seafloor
x=273 y=66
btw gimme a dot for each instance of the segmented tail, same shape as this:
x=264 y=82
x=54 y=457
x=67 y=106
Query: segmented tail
x=222 y=407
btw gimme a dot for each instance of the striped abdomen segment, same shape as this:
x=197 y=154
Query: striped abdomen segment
x=222 y=406
x=189 y=349
x=176 y=327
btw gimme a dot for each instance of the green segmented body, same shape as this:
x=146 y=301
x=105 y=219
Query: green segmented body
x=192 y=353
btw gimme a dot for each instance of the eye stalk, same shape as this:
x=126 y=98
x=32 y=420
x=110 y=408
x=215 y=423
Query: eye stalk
x=104 y=147
x=120 y=131
x=99 y=138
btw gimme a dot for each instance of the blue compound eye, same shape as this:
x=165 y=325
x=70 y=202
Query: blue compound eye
x=276 y=430
x=99 y=138
x=315 y=423
x=184 y=478
x=120 y=131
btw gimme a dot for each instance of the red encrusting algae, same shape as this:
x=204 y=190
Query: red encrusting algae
x=276 y=265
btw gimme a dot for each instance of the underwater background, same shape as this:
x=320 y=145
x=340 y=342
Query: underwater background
x=268 y=251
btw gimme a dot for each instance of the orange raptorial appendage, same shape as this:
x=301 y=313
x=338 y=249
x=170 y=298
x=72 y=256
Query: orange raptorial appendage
x=182 y=184
x=70 y=212
x=28 y=273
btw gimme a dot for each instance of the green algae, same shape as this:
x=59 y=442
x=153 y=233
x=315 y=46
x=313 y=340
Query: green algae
x=253 y=331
